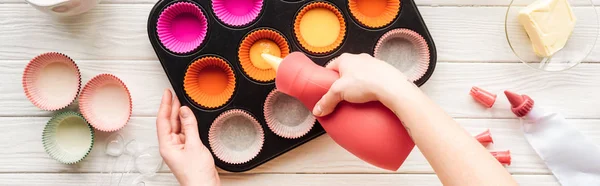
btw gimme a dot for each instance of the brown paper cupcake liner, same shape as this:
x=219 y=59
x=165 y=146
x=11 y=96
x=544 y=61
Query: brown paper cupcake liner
x=412 y=61
x=209 y=82
x=51 y=81
x=235 y=137
x=105 y=102
x=286 y=116
x=248 y=61
x=320 y=49
x=369 y=15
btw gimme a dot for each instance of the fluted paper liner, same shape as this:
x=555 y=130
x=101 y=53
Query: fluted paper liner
x=413 y=70
x=68 y=138
x=259 y=74
x=210 y=82
x=105 y=102
x=51 y=81
x=184 y=37
x=320 y=49
x=374 y=17
x=286 y=116
x=248 y=11
x=235 y=137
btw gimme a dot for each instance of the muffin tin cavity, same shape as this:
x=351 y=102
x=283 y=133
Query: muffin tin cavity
x=320 y=27
x=256 y=43
x=236 y=137
x=374 y=13
x=237 y=13
x=413 y=61
x=286 y=116
x=210 y=82
x=182 y=27
x=219 y=74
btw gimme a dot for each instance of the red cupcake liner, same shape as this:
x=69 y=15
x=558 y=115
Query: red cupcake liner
x=100 y=106
x=32 y=76
x=241 y=150
x=278 y=101
x=416 y=69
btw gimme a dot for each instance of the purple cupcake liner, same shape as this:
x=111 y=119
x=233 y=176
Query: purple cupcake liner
x=182 y=27
x=237 y=12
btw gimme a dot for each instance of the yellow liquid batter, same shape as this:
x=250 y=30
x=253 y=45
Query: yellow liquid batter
x=263 y=46
x=319 y=27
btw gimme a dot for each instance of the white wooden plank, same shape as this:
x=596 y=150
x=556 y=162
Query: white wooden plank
x=258 y=179
x=23 y=150
x=115 y=31
x=419 y=2
x=568 y=92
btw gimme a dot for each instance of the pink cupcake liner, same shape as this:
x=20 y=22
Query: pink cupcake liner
x=235 y=137
x=105 y=102
x=51 y=81
x=413 y=70
x=286 y=116
x=237 y=12
x=182 y=27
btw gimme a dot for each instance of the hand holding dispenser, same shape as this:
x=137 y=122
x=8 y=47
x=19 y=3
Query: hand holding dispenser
x=370 y=130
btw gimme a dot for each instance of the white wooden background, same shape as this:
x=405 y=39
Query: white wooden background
x=472 y=50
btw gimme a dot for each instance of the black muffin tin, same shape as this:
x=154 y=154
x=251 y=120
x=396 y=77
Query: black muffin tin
x=224 y=41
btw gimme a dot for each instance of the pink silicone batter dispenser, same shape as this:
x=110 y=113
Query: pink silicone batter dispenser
x=370 y=131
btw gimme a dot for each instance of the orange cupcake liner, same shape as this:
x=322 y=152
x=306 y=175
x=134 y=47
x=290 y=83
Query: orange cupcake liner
x=417 y=68
x=385 y=17
x=198 y=93
x=105 y=115
x=32 y=74
x=315 y=49
x=255 y=73
x=224 y=128
x=302 y=124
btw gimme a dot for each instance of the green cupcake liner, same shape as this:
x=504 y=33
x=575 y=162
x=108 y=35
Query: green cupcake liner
x=65 y=137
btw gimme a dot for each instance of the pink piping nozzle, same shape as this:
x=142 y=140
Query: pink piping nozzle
x=485 y=138
x=521 y=104
x=484 y=97
x=502 y=156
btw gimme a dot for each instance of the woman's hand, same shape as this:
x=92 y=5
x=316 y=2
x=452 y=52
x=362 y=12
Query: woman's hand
x=180 y=145
x=363 y=78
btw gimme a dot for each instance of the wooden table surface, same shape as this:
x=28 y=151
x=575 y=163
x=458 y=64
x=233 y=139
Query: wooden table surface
x=472 y=50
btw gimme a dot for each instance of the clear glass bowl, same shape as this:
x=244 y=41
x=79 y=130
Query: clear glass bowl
x=580 y=44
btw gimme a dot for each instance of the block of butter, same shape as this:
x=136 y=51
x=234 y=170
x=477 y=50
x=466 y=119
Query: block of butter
x=549 y=24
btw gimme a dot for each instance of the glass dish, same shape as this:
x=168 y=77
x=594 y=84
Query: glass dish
x=578 y=47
